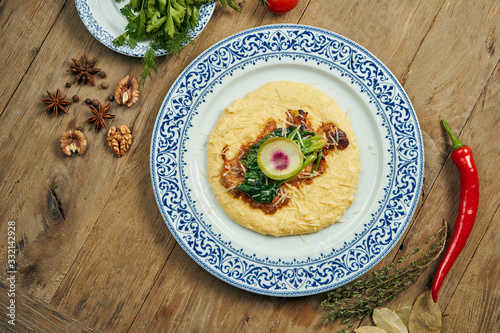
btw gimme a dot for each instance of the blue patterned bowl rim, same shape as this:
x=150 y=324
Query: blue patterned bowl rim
x=278 y=277
x=93 y=25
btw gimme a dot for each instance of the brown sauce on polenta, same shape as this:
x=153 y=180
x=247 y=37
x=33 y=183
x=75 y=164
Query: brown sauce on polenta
x=233 y=171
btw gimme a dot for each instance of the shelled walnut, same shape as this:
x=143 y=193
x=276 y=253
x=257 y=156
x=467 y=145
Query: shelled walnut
x=119 y=140
x=73 y=142
x=127 y=92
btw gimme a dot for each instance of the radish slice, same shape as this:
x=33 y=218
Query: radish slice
x=280 y=158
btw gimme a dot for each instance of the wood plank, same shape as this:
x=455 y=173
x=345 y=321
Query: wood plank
x=449 y=72
x=206 y=296
x=32 y=315
x=185 y=288
x=55 y=200
x=122 y=257
x=475 y=304
x=387 y=29
x=487 y=156
x=443 y=61
x=85 y=224
x=75 y=295
x=474 y=30
x=31 y=24
x=446 y=192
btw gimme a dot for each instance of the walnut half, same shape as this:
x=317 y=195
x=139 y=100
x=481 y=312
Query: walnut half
x=119 y=140
x=73 y=142
x=127 y=92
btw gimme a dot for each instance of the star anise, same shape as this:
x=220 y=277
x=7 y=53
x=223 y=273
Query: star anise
x=101 y=114
x=84 y=70
x=56 y=102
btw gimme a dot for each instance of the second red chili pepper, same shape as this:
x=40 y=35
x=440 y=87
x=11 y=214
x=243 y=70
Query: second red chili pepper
x=469 y=200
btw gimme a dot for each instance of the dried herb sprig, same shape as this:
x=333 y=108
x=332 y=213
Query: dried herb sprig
x=358 y=299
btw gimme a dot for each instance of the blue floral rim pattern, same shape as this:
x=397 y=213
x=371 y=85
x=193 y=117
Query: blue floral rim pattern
x=106 y=38
x=249 y=271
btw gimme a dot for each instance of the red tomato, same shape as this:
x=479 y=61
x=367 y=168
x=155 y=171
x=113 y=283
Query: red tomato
x=281 y=6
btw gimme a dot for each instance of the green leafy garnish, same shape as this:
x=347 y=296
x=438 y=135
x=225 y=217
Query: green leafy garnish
x=165 y=23
x=312 y=144
x=262 y=192
x=263 y=189
x=256 y=184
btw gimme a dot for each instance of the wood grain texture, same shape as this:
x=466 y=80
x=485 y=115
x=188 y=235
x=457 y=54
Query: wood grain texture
x=93 y=252
x=477 y=289
x=446 y=191
x=55 y=202
x=452 y=68
x=33 y=315
x=24 y=25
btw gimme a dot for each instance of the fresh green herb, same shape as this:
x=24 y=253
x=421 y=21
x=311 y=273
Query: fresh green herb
x=307 y=141
x=250 y=158
x=256 y=184
x=255 y=177
x=263 y=189
x=230 y=3
x=358 y=299
x=291 y=136
x=309 y=159
x=165 y=23
x=148 y=63
x=312 y=144
x=261 y=193
x=318 y=160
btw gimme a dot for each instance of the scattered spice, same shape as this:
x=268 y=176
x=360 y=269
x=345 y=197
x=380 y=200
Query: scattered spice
x=104 y=85
x=111 y=98
x=469 y=201
x=95 y=102
x=88 y=101
x=68 y=84
x=102 y=75
x=56 y=102
x=119 y=140
x=100 y=116
x=73 y=142
x=358 y=299
x=127 y=92
x=75 y=98
x=84 y=70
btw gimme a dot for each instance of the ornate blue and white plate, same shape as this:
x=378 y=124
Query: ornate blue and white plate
x=104 y=21
x=389 y=138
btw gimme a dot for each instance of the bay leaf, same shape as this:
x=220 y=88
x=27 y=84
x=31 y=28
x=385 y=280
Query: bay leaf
x=404 y=314
x=425 y=316
x=369 y=329
x=389 y=321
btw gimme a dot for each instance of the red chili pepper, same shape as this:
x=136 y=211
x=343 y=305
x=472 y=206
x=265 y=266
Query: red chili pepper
x=469 y=200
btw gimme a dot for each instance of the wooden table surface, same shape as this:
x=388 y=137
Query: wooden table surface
x=92 y=251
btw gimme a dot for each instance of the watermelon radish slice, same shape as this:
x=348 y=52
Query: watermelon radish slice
x=280 y=158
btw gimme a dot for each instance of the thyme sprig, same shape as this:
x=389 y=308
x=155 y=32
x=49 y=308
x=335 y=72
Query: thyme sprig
x=358 y=299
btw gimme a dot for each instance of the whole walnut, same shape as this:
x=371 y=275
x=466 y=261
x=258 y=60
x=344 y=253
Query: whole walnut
x=73 y=142
x=119 y=140
x=127 y=92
